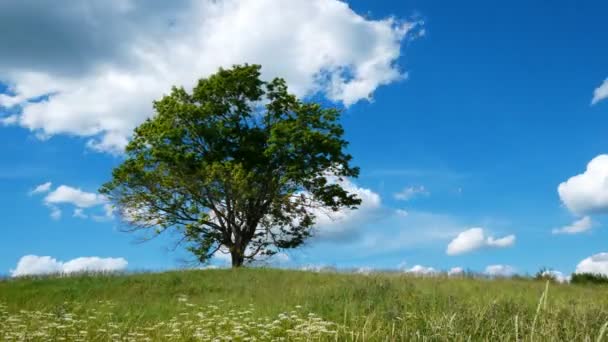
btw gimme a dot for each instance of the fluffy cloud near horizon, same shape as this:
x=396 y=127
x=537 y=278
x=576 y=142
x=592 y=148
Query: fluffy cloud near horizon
x=476 y=238
x=597 y=264
x=421 y=270
x=500 y=270
x=222 y=258
x=557 y=275
x=587 y=193
x=111 y=59
x=454 y=271
x=400 y=233
x=43 y=265
x=600 y=93
x=578 y=226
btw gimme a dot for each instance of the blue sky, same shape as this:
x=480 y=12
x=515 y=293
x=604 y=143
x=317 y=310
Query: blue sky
x=492 y=111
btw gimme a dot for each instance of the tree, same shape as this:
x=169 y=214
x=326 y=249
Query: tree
x=239 y=165
x=589 y=278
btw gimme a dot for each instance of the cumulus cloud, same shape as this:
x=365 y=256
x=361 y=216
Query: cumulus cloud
x=587 y=193
x=600 y=93
x=110 y=59
x=80 y=200
x=401 y=212
x=318 y=268
x=55 y=212
x=467 y=241
x=108 y=213
x=454 y=271
x=411 y=192
x=35 y=265
x=223 y=258
x=506 y=241
x=342 y=223
x=9 y=120
x=77 y=197
x=40 y=265
x=421 y=270
x=579 y=226
x=399 y=233
x=475 y=238
x=94 y=264
x=365 y=270
x=10 y=101
x=500 y=270
x=42 y=188
x=79 y=212
x=597 y=264
x=280 y=258
x=557 y=275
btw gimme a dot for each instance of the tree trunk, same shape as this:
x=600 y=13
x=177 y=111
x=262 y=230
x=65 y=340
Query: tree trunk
x=237 y=257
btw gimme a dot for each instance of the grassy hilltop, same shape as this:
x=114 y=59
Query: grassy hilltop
x=267 y=304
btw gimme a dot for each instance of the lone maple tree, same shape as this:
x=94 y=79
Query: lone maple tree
x=238 y=164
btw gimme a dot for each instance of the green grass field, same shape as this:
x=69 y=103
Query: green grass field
x=267 y=304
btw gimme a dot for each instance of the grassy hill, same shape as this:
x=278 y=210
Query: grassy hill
x=268 y=304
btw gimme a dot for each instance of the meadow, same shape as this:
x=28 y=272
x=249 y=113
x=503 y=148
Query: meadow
x=281 y=305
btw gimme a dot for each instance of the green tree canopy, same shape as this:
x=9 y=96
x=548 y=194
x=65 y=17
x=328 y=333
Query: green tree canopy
x=239 y=164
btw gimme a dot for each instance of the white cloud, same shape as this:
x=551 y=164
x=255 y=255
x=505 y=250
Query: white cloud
x=401 y=212
x=94 y=264
x=411 y=192
x=222 y=256
x=500 y=270
x=35 y=265
x=342 y=223
x=600 y=93
x=597 y=264
x=55 y=212
x=454 y=271
x=140 y=216
x=79 y=212
x=280 y=258
x=318 y=268
x=421 y=270
x=398 y=233
x=42 y=188
x=81 y=199
x=109 y=210
x=578 y=226
x=101 y=82
x=467 y=241
x=209 y=267
x=41 y=265
x=503 y=242
x=108 y=214
x=8 y=101
x=365 y=270
x=557 y=275
x=475 y=238
x=417 y=269
x=587 y=193
x=9 y=120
